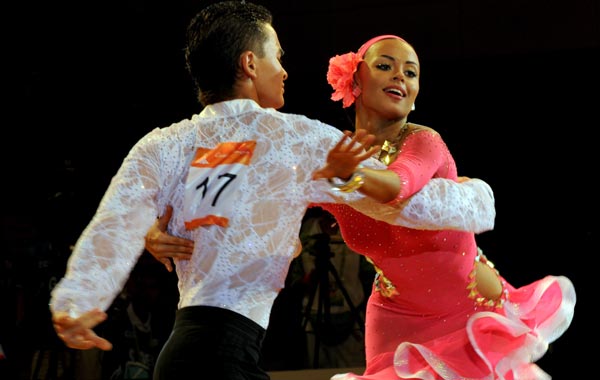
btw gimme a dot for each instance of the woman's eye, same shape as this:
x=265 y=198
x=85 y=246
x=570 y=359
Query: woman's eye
x=383 y=66
x=410 y=74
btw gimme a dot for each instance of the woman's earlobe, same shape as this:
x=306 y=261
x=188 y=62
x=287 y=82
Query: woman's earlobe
x=356 y=89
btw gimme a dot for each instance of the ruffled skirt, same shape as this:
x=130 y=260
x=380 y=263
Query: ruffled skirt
x=494 y=345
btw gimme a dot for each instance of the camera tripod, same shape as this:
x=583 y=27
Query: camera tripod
x=319 y=281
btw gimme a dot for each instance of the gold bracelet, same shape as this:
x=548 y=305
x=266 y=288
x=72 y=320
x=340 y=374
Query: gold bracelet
x=354 y=183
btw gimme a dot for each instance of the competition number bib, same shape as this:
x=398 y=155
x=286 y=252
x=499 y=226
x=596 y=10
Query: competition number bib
x=213 y=181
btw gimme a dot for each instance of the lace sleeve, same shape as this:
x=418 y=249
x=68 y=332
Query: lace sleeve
x=441 y=204
x=446 y=204
x=112 y=242
x=430 y=198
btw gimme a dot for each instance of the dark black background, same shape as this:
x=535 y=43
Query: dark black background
x=512 y=86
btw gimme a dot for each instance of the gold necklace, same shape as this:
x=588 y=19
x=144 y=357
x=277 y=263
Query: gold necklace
x=390 y=148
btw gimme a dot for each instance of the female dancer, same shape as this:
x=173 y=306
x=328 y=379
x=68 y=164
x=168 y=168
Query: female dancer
x=439 y=309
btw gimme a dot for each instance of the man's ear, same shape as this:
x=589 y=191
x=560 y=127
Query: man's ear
x=248 y=64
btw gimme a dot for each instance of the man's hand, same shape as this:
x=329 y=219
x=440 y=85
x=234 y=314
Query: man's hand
x=77 y=332
x=165 y=247
x=347 y=154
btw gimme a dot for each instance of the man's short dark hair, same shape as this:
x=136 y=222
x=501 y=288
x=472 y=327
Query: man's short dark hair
x=216 y=37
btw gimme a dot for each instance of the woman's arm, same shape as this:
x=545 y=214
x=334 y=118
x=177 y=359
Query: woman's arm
x=420 y=189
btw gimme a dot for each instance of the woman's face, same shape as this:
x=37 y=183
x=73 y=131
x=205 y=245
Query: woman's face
x=388 y=79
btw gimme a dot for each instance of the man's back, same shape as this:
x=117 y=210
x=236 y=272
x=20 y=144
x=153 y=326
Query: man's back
x=239 y=177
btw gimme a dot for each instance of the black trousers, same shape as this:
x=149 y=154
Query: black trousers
x=211 y=343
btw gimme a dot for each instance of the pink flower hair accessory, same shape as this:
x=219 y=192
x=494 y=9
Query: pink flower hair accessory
x=340 y=74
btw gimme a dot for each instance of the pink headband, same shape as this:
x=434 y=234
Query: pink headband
x=340 y=74
x=363 y=49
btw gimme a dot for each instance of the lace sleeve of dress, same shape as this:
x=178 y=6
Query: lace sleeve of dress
x=112 y=242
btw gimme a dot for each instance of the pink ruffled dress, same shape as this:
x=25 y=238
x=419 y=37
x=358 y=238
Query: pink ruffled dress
x=425 y=318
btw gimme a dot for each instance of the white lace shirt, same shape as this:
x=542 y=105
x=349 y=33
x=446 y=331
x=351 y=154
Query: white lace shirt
x=241 y=266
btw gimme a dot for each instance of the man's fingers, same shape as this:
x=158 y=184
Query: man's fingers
x=104 y=344
x=86 y=341
x=92 y=318
x=374 y=149
x=342 y=142
x=77 y=332
x=364 y=141
x=359 y=141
